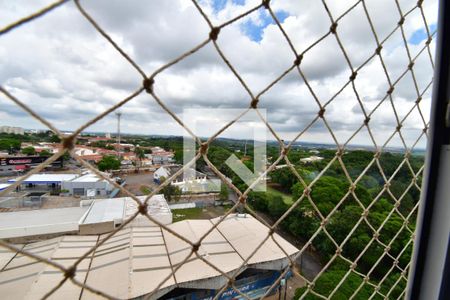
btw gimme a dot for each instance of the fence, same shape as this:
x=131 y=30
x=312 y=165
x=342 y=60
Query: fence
x=324 y=230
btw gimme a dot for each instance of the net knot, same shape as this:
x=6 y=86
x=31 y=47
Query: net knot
x=214 y=33
x=366 y=121
x=148 y=84
x=401 y=21
x=195 y=247
x=378 y=50
x=352 y=187
x=377 y=154
x=254 y=103
x=68 y=142
x=321 y=112
x=70 y=272
x=298 y=60
x=353 y=76
x=307 y=191
x=333 y=28
x=266 y=3
x=142 y=209
x=418 y=99
x=390 y=90
x=429 y=40
x=203 y=148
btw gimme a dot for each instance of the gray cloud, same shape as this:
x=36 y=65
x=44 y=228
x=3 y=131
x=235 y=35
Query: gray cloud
x=68 y=73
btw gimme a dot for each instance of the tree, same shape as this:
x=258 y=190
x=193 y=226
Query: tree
x=55 y=139
x=284 y=177
x=329 y=280
x=258 y=200
x=108 y=162
x=139 y=155
x=223 y=195
x=9 y=144
x=45 y=153
x=29 y=151
x=170 y=192
x=276 y=206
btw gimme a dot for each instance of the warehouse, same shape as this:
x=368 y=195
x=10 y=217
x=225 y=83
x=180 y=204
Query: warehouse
x=141 y=256
x=92 y=217
x=44 y=181
x=88 y=184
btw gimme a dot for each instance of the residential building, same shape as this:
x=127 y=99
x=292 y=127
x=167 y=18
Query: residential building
x=13 y=130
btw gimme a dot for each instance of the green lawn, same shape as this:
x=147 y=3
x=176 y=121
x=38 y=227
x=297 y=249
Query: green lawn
x=186 y=213
x=145 y=190
x=287 y=198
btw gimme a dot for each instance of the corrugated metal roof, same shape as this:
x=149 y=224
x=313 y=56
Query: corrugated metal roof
x=47 y=178
x=137 y=258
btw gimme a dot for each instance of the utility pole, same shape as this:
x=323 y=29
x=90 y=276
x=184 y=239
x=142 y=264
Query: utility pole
x=245 y=148
x=118 y=114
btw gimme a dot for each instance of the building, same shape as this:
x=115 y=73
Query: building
x=13 y=130
x=189 y=180
x=44 y=181
x=92 y=158
x=83 y=150
x=161 y=156
x=96 y=216
x=88 y=184
x=133 y=262
x=311 y=159
x=106 y=138
x=11 y=165
x=4 y=186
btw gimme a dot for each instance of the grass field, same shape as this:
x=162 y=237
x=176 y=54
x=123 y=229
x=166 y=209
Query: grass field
x=187 y=213
x=286 y=197
x=198 y=213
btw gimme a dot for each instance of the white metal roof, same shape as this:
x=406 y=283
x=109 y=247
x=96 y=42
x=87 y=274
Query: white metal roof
x=103 y=210
x=137 y=258
x=40 y=222
x=4 y=186
x=46 y=178
x=86 y=178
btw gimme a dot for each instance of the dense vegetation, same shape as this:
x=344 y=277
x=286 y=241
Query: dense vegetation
x=10 y=142
x=333 y=200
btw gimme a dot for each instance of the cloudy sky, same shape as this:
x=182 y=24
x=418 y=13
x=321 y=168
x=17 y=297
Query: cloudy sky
x=67 y=72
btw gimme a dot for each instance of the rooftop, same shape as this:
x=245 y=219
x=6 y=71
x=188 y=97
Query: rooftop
x=46 y=178
x=141 y=256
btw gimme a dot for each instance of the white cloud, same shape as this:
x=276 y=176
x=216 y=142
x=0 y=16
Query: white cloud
x=68 y=73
